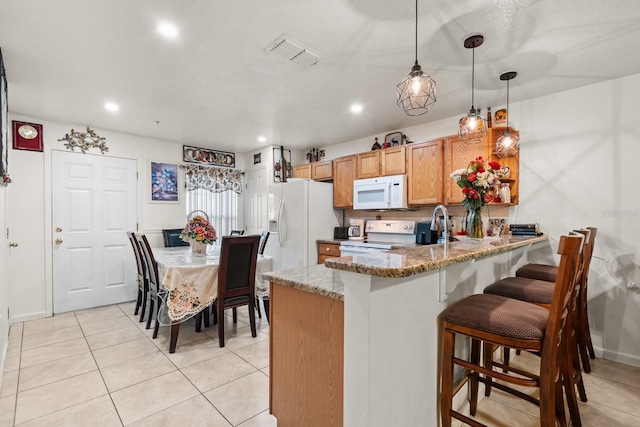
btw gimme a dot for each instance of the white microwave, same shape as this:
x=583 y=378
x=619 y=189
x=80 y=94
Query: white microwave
x=385 y=192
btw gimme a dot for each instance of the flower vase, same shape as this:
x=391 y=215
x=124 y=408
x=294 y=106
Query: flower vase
x=475 y=229
x=198 y=247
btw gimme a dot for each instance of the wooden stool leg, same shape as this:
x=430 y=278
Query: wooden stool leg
x=487 y=362
x=175 y=328
x=446 y=393
x=559 y=406
x=506 y=356
x=473 y=379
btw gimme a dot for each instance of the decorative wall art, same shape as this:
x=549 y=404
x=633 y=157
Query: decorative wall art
x=85 y=141
x=4 y=122
x=282 y=169
x=206 y=156
x=164 y=182
x=257 y=158
x=27 y=136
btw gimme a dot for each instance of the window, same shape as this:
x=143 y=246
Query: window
x=222 y=209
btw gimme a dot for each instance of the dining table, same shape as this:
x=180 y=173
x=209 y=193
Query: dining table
x=190 y=281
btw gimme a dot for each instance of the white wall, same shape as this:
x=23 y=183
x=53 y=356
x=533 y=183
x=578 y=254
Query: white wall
x=579 y=154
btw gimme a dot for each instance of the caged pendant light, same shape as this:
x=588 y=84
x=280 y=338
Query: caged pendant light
x=417 y=92
x=508 y=144
x=472 y=128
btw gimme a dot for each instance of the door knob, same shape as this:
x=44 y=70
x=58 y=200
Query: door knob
x=58 y=230
x=13 y=244
x=58 y=241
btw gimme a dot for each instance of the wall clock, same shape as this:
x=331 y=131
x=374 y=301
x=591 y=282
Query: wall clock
x=27 y=136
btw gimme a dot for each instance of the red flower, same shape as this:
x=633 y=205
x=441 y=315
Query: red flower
x=479 y=159
x=465 y=190
x=472 y=177
x=494 y=165
x=480 y=170
x=473 y=194
x=488 y=198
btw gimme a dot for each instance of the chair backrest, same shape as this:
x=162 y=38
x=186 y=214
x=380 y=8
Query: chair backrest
x=172 y=238
x=140 y=263
x=570 y=250
x=236 y=233
x=263 y=242
x=237 y=273
x=152 y=266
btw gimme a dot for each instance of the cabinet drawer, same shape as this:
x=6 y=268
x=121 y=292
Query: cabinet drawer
x=330 y=250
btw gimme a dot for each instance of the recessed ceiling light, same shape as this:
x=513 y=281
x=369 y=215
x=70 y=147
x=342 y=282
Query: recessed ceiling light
x=168 y=30
x=262 y=139
x=111 y=107
x=356 y=108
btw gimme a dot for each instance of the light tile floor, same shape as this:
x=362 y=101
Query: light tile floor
x=100 y=367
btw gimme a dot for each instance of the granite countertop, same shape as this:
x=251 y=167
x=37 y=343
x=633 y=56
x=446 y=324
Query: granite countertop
x=332 y=242
x=402 y=262
x=318 y=279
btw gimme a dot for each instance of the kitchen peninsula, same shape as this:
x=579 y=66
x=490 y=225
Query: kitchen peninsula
x=355 y=342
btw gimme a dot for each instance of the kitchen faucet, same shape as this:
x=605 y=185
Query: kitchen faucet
x=434 y=226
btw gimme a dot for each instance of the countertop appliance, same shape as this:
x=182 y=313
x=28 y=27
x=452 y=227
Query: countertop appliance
x=385 y=192
x=356 y=229
x=299 y=213
x=340 y=233
x=424 y=234
x=382 y=236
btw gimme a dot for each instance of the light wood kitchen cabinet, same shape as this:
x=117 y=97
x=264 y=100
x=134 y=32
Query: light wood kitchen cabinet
x=457 y=155
x=322 y=171
x=302 y=171
x=344 y=173
x=327 y=250
x=393 y=161
x=368 y=164
x=424 y=173
x=306 y=353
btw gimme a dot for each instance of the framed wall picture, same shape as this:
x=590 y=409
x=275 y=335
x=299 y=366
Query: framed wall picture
x=27 y=136
x=164 y=182
x=4 y=121
x=206 y=156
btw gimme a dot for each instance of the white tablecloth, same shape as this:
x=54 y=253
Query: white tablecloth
x=190 y=281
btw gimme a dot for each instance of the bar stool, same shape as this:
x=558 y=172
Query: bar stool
x=495 y=320
x=548 y=273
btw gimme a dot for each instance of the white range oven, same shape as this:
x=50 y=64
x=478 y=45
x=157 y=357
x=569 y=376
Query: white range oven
x=382 y=236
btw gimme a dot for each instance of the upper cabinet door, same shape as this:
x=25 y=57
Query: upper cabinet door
x=302 y=171
x=368 y=164
x=393 y=161
x=322 y=171
x=457 y=156
x=344 y=173
x=424 y=177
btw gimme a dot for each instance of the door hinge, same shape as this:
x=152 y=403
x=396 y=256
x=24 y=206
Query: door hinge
x=7 y=232
x=137 y=227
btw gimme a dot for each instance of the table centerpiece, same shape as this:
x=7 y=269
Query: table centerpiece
x=199 y=233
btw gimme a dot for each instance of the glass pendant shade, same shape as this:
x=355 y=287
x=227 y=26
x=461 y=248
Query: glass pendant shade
x=472 y=128
x=417 y=92
x=508 y=144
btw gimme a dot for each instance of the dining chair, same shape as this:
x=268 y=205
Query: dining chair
x=264 y=236
x=236 y=233
x=236 y=279
x=494 y=320
x=157 y=294
x=172 y=238
x=142 y=279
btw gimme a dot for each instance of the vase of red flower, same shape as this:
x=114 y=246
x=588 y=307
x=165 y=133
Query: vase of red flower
x=199 y=233
x=478 y=182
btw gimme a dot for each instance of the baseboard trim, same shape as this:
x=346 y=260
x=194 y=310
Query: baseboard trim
x=627 y=359
x=30 y=316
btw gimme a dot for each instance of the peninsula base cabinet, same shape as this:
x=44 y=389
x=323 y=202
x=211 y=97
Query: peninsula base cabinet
x=306 y=367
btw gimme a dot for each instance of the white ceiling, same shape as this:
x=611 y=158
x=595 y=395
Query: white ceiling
x=216 y=87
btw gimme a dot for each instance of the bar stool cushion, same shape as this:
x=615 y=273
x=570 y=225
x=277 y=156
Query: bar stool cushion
x=523 y=289
x=499 y=315
x=544 y=272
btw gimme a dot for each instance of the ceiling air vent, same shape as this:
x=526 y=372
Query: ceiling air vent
x=293 y=50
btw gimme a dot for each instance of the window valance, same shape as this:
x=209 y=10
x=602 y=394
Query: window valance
x=216 y=180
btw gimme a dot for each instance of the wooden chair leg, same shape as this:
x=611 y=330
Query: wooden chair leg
x=214 y=312
x=446 y=392
x=156 y=326
x=487 y=362
x=265 y=301
x=473 y=380
x=252 y=319
x=235 y=315
x=559 y=407
x=220 y=310
x=207 y=321
x=258 y=308
x=199 y=322
x=145 y=296
x=175 y=328
x=148 y=325
x=138 y=302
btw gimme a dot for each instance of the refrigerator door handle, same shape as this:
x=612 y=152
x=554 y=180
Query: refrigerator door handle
x=280 y=236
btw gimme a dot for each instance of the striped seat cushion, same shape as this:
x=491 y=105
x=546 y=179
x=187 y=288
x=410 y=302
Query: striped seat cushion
x=498 y=315
x=539 y=272
x=523 y=289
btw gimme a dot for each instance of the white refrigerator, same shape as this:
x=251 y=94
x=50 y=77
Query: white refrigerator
x=300 y=211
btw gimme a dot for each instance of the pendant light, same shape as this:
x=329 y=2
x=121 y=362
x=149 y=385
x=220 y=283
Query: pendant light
x=472 y=128
x=508 y=144
x=417 y=92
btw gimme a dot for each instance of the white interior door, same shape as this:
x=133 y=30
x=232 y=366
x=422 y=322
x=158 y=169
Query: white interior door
x=256 y=202
x=93 y=205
